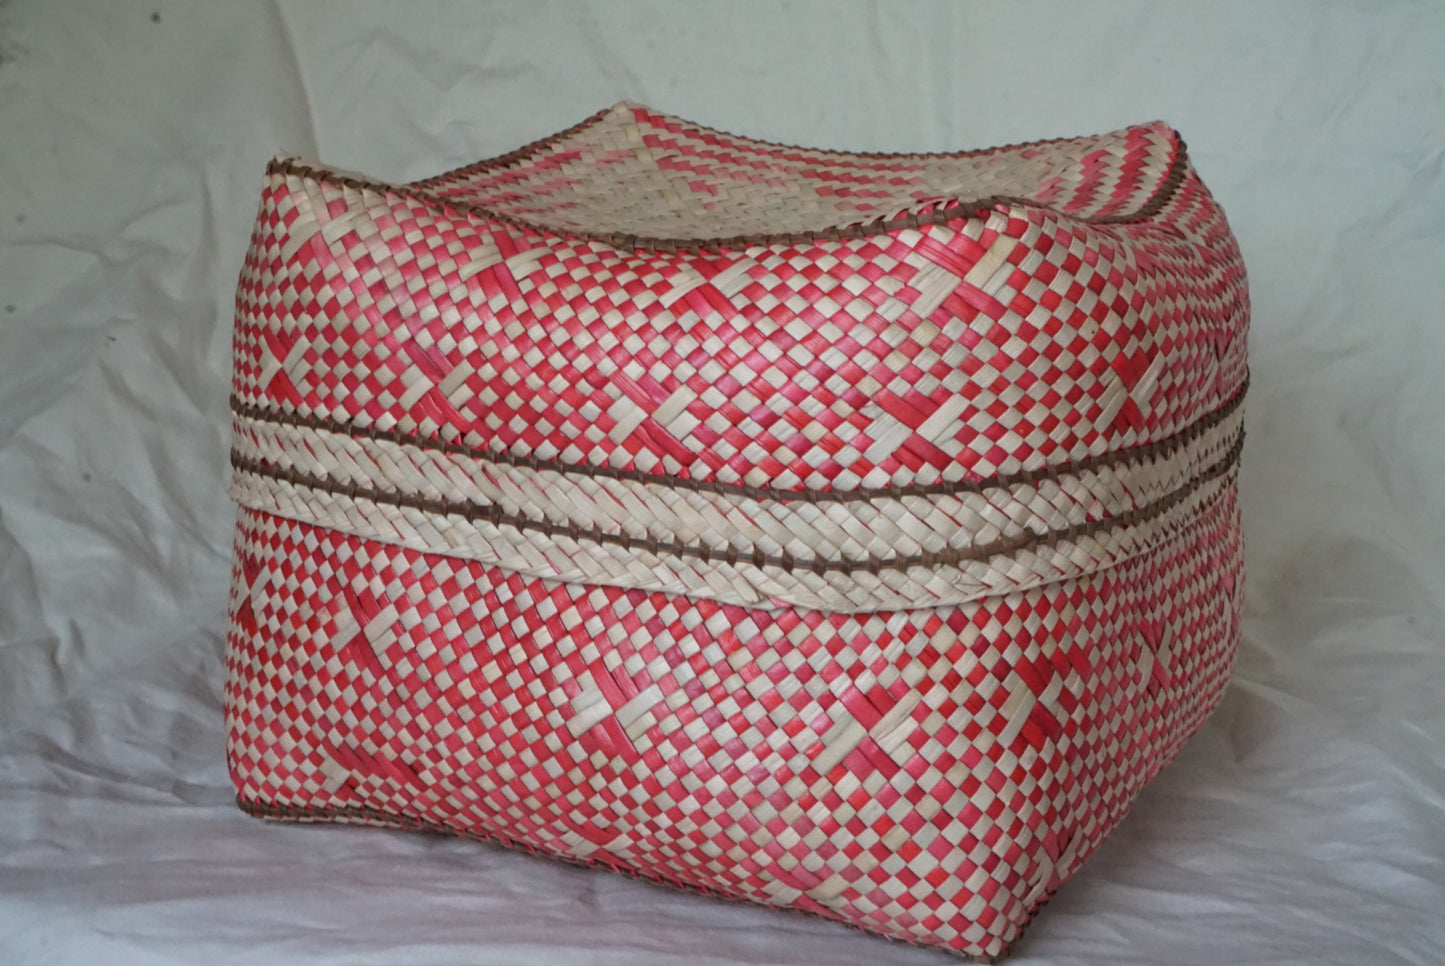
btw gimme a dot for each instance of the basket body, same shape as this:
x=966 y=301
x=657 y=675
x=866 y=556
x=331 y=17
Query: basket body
x=852 y=534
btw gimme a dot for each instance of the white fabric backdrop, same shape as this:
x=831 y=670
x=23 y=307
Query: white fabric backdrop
x=1304 y=824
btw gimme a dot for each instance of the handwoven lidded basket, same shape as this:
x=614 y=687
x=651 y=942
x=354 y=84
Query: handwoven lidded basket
x=849 y=533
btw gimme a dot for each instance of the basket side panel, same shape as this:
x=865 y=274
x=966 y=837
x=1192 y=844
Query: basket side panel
x=931 y=775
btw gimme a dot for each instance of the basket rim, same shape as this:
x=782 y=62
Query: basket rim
x=951 y=209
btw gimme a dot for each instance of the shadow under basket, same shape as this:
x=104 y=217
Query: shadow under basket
x=849 y=533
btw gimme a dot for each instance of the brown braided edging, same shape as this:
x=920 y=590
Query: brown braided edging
x=513 y=156
x=1133 y=454
x=962 y=211
x=527 y=150
x=950 y=556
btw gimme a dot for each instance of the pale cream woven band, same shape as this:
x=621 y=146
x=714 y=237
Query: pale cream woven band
x=833 y=551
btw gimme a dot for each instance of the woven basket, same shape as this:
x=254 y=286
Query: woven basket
x=855 y=534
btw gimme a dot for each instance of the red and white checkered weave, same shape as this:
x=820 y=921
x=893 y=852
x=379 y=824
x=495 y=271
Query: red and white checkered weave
x=849 y=533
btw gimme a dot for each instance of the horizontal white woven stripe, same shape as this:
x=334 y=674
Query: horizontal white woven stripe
x=560 y=557
x=833 y=530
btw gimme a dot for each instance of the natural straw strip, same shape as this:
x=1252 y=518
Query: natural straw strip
x=1107 y=460
x=833 y=530
x=949 y=556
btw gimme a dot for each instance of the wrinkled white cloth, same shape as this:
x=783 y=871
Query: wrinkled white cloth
x=1306 y=822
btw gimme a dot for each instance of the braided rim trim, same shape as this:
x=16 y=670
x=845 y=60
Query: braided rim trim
x=962 y=210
